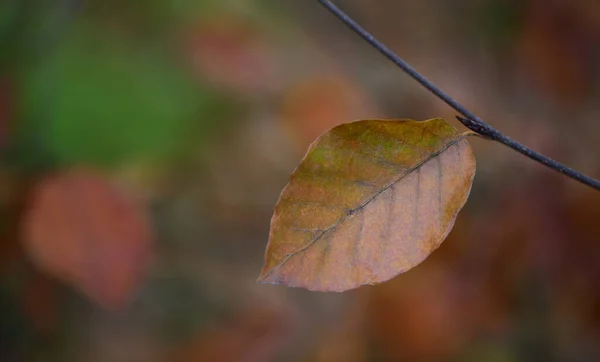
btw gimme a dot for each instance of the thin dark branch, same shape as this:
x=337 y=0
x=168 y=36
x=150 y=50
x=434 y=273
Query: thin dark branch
x=493 y=134
x=388 y=53
x=471 y=121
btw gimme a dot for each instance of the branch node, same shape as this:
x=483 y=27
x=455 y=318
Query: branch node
x=481 y=129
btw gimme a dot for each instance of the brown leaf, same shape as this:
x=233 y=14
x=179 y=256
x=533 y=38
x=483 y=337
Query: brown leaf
x=428 y=315
x=556 y=52
x=232 y=52
x=371 y=199
x=84 y=232
x=254 y=335
x=316 y=104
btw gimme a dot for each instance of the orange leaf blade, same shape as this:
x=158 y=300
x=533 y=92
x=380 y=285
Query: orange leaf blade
x=84 y=232
x=370 y=200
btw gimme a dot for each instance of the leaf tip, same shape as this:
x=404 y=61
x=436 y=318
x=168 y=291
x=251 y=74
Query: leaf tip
x=263 y=277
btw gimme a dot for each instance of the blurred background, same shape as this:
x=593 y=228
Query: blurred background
x=144 y=144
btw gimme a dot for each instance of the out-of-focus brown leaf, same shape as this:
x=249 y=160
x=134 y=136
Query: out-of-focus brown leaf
x=313 y=106
x=556 y=51
x=428 y=315
x=84 y=232
x=576 y=280
x=371 y=199
x=231 y=52
x=254 y=335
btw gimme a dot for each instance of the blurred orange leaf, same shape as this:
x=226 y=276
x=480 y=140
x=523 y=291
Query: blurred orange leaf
x=255 y=335
x=314 y=105
x=232 y=53
x=84 y=232
x=371 y=199
x=429 y=315
x=556 y=51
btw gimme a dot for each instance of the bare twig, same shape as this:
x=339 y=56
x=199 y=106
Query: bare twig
x=470 y=120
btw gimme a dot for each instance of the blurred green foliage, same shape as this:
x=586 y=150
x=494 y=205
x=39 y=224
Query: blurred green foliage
x=100 y=101
x=500 y=22
x=102 y=90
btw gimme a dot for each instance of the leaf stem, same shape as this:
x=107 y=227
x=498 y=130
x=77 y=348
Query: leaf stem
x=470 y=120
